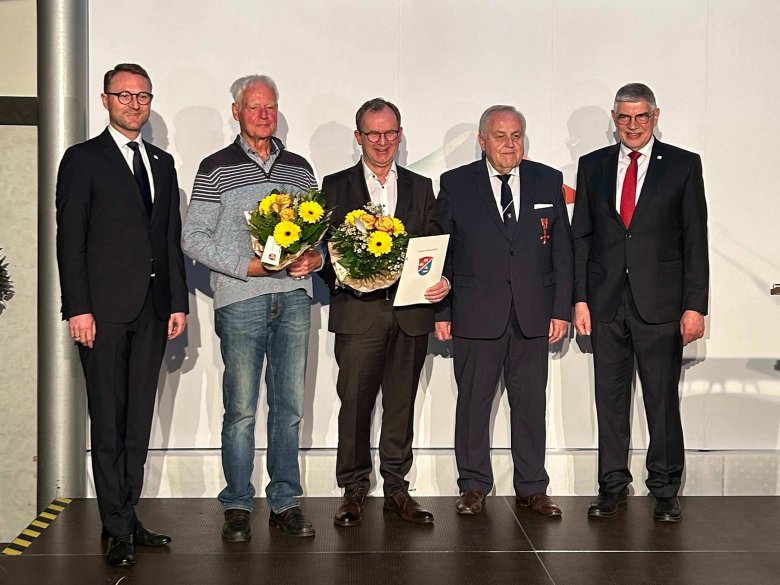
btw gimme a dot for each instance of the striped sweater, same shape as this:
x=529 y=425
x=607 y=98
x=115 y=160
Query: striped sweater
x=215 y=233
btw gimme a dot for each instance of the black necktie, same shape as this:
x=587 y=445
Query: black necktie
x=507 y=205
x=141 y=177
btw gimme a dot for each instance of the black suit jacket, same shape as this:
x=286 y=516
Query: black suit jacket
x=491 y=270
x=345 y=191
x=107 y=248
x=665 y=247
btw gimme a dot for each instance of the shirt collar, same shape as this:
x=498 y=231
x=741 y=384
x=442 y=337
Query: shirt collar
x=122 y=140
x=369 y=174
x=645 y=150
x=494 y=173
x=276 y=146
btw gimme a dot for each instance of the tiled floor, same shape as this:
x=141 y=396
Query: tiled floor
x=721 y=541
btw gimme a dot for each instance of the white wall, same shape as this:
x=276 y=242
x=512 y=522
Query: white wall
x=443 y=62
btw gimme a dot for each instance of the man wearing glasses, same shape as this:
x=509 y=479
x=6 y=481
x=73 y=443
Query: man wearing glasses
x=378 y=345
x=123 y=293
x=640 y=291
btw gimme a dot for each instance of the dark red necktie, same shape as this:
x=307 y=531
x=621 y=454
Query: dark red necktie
x=628 y=195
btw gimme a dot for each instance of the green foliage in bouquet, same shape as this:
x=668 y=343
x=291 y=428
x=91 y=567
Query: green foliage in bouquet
x=6 y=286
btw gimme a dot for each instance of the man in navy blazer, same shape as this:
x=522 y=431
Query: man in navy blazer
x=510 y=266
x=123 y=293
x=640 y=291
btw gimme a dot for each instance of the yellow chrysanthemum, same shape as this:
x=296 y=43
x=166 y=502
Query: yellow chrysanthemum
x=310 y=211
x=379 y=243
x=286 y=233
x=398 y=227
x=265 y=204
x=353 y=215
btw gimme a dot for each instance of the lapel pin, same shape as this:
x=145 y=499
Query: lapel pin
x=659 y=157
x=158 y=158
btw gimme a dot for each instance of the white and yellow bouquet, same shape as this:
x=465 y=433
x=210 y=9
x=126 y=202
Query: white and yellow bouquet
x=285 y=225
x=368 y=250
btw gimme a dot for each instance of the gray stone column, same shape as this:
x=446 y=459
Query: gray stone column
x=62 y=121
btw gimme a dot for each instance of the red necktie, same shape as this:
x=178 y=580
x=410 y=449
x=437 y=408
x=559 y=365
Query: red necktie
x=628 y=195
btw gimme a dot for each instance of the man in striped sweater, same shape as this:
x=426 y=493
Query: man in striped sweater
x=258 y=314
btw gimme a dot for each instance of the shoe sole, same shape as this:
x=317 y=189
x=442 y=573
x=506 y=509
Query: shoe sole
x=122 y=564
x=469 y=511
x=600 y=514
x=238 y=538
x=347 y=524
x=276 y=524
x=668 y=519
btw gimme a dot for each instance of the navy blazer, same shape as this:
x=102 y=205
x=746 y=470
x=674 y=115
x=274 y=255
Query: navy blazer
x=107 y=247
x=491 y=270
x=664 y=250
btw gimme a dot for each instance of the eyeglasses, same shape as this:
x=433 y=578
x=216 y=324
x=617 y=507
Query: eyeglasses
x=625 y=119
x=125 y=97
x=373 y=136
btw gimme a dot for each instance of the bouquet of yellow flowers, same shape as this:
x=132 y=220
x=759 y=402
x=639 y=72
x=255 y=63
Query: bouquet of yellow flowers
x=368 y=250
x=285 y=225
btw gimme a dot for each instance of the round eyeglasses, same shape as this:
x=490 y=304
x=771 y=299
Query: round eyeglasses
x=125 y=97
x=373 y=136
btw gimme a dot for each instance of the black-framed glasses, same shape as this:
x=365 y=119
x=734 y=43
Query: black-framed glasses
x=625 y=119
x=125 y=97
x=373 y=136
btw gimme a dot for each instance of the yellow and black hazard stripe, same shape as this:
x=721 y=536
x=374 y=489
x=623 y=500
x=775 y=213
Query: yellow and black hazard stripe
x=22 y=542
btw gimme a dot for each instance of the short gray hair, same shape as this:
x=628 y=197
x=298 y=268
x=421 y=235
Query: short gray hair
x=241 y=84
x=484 y=119
x=635 y=92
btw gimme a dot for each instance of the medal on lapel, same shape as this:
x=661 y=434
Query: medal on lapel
x=545 y=236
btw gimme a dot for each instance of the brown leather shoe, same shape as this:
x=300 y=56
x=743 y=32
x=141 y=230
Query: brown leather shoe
x=470 y=502
x=407 y=508
x=351 y=511
x=539 y=503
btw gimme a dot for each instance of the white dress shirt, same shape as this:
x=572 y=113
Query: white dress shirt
x=643 y=162
x=387 y=193
x=514 y=185
x=121 y=141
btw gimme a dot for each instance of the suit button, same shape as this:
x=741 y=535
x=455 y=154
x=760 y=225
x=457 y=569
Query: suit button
x=508 y=281
x=628 y=236
x=511 y=252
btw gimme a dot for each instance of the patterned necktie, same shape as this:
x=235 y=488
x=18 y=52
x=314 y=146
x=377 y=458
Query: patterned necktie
x=628 y=195
x=141 y=177
x=507 y=205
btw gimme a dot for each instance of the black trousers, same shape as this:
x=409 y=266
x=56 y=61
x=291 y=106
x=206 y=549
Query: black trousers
x=658 y=352
x=478 y=365
x=386 y=357
x=121 y=372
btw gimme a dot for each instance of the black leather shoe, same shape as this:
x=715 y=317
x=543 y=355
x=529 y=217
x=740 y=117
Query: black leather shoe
x=293 y=522
x=667 y=510
x=470 y=502
x=121 y=552
x=407 y=508
x=606 y=504
x=351 y=511
x=236 y=526
x=145 y=537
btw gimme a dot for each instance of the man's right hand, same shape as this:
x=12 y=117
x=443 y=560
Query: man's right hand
x=256 y=268
x=442 y=330
x=82 y=329
x=582 y=318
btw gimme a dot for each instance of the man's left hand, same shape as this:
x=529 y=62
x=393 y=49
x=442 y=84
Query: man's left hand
x=435 y=293
x=691 y=326
x=176 y=323
x=558 y=329
x=306 y=263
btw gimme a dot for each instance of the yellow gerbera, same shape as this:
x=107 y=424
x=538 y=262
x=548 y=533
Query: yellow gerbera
x=353 y=215
x=379 y=243
x=310 y=211
x=286 y=233
x=265 y=204
x=398 y=227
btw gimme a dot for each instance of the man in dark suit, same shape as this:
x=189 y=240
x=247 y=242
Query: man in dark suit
x=377 y=344
x=640 y=290
x=510 y=265
x=123 y=292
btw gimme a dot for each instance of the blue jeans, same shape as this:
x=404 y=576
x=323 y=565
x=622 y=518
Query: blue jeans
x=274 y=325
